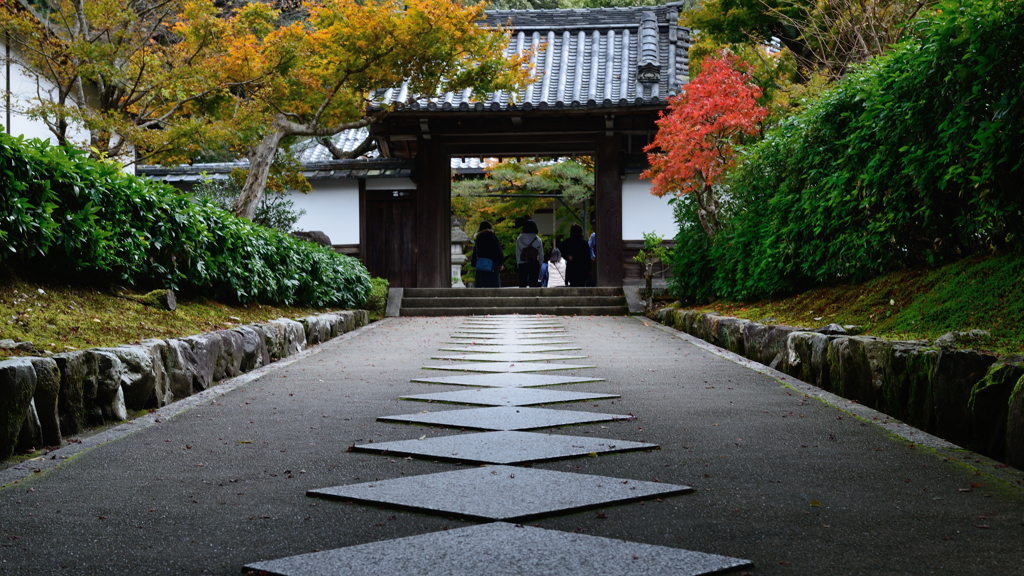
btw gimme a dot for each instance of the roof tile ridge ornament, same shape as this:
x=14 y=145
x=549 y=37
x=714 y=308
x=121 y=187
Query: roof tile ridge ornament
x=648 y=68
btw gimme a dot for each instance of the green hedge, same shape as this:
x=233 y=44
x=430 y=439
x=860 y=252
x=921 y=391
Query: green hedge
x=64 y=213
x=915 y=159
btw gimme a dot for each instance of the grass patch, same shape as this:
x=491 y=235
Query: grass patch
x=61 y=318
x=986 y=293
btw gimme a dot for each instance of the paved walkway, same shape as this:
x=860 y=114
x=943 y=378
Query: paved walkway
x=786 y=481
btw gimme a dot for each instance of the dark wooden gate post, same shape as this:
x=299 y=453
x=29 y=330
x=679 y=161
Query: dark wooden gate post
x=608 y=167
x=433 y=219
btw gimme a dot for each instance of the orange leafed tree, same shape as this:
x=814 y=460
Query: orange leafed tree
x=695 y=145
x=319 y=76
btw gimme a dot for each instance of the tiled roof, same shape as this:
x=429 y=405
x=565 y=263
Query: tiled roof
x=318 y=163
x=327 y=170
x=347 y=141
x=602 y=57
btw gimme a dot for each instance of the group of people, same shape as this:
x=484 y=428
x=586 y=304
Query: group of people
x=567 y=265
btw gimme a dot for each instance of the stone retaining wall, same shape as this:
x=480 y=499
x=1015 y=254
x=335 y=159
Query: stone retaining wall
x=970 y=398
x=44 y=399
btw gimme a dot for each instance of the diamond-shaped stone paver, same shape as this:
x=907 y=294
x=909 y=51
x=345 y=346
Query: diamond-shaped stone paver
x=508 y=380
x=502 y=549
x=508 y=397
x=508 y=367
x=510 y=331
x=504 y=447
x=508 y=357
x=504 y=493
x=482 y=342
x=531 y=322
x=518 y=337
x=504 y=418
x=510 y=349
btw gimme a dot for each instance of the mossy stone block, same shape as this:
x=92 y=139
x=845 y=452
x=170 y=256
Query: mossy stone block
x=857 y=366
x=230 y=355
x=17 y=385
x=162 y=299
x=729 y=334
x=143 y=379
x=990 y=408
x=1015 y=426
x=907 y=385
x=254 y=348
x=806 y=358
x=183 y=369
x=956 y=374
x=46 y=398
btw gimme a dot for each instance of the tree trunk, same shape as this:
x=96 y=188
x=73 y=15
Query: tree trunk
x=259 y=167
x=707 y=210
x=649 y=281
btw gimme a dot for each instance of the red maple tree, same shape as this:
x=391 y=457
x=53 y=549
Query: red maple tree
x=694 y=147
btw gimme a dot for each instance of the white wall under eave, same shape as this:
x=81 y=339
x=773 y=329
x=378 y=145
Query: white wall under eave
x=644 y=212
x=332 y=208
x=23 y=91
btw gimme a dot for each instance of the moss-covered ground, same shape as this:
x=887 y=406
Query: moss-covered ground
x=985 y=293
x=59 y=317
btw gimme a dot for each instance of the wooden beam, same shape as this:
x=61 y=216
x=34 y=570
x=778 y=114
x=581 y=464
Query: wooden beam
x=608 y=176
x=433 y=215
x=362 y=219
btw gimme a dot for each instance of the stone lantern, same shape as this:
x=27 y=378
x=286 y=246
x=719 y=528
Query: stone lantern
x=459 y=240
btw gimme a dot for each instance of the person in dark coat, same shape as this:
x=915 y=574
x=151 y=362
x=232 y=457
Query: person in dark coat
x=576 y=252
x=488 y=246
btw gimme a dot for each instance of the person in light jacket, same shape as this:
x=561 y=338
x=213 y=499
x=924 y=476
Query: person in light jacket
x=529 y=251
x=556 y=269
x=488 y=246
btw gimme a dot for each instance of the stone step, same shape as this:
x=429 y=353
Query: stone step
x=523 y=301
x=548 y=310
x=509 y=292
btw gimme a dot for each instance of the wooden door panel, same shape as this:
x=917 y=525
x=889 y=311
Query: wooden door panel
x=391 y=240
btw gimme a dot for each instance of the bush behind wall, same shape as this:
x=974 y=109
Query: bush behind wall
x=914 y=159
x=62 y=212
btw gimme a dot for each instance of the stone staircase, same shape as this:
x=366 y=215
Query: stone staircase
x=482 y=301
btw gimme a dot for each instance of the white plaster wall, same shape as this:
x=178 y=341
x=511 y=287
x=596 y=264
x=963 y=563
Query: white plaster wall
x=332 y=207
x=644 y=212
x=23 y=89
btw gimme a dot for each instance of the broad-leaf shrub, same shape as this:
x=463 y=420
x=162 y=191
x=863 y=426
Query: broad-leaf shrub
x=914 y=159
x=62 y=213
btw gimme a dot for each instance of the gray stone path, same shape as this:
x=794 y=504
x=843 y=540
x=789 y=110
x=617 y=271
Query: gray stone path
x=795 y=484
x=509 y=493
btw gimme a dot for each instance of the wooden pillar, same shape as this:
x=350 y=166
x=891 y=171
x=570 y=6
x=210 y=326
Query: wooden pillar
x=362 y=222
x=608 y=168
x=433 y=215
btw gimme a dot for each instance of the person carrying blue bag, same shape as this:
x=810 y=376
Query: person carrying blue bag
x=488 y=257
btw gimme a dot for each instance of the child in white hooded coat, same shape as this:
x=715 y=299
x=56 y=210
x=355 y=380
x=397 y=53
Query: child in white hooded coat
x=556 y=269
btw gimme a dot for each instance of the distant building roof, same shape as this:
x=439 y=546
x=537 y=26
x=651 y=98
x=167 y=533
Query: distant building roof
x=317 y=163
x=332 y=169
x=603 y=57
